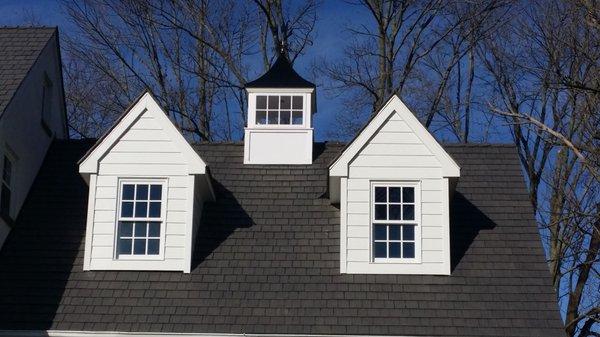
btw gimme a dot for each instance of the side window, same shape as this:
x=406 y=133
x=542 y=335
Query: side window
x=394 y=221
x=140 y=222
x=47 y=103
x=279 y=110
x=6 y=192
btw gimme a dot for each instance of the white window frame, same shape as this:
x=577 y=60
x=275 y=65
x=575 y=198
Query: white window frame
x=252 y=98
x=163 y=215
x=417 y=222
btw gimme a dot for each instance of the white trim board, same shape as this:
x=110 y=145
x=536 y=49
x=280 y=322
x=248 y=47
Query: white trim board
x=64 y=333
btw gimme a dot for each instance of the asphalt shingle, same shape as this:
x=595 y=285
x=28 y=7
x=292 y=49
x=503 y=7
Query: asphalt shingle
x=267 y=259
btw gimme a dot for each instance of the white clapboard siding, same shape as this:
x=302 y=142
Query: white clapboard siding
x=395 y=153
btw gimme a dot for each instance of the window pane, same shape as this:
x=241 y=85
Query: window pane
x=379 y=232
x=128 y=192
x=394 y=249
x=286 y=102
x=394 y=212
x=141 y=209
x=285 y=117
x=154 y=229
x=127 y=209
x=408 y=212
x=153 y=246
x=261 y=102
x=408 y=232
x=139 y=246
x=125 y=229
x=297 y=102
x=380 y=194
x=273 y=102
x=140 y=229
x=297 y=117
x=380 y=249
x=154 y=210
x=394 y=194
x=141 y=192
x=261 y=117
x=408 y=250
x=155 y=192
x=408 y=194
x=124 y=246
x=395 y=232
x=273 y=117
x=380 y=212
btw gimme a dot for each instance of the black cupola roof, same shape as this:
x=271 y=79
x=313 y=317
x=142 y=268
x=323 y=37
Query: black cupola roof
x=281 y=75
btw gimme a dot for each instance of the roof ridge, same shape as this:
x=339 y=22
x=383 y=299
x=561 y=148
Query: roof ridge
x=28 y=27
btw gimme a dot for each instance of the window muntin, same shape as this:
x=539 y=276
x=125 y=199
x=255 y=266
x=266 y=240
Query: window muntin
x=140 y=220
x=279 y=110
x=394 y=222
x=6 y=190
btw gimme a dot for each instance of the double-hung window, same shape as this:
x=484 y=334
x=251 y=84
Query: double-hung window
x=394 y=220
x=141 y=219
x=279 y=110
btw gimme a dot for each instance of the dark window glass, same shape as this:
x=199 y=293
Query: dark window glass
x=127 y=209
x=5 y=201
x=408 y=212
x=7 y=171
x=297 y=102
x=140 y=229
x=286 y=102
x=380 y=194
x=395 y=232
x=261 y=102
x=379 y=232
x=297 y=117
x=139 y=246
x=394 y=194
x=125 y=246
x=153 y=246
x=380 y=249
x=408 y=232
x=380 y=212
x=408 y=194
x=141 y=192
x=394 y=212
x=261 y=117
x=154 y=210
x=155 y=192
x=285 y=117
x=394 y=249
x=273 y=117
x=273 y=102
x=408 y=250
x=154 y=229
x=126 y=229
x=141 y=209
x=128 y=191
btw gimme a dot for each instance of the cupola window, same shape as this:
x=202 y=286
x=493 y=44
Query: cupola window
x=279 y=109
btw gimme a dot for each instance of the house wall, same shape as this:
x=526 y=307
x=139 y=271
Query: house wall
x=144 y=151
x=395 y=153
x=21 y=131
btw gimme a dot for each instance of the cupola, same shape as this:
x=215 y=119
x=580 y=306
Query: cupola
x=280 y=108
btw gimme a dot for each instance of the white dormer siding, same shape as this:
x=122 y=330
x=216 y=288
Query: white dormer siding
x=147 y=187
x=279 y=132
x=393 y=185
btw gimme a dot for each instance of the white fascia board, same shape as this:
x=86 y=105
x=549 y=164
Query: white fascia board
x=89 y=164
x=64 y=333
x=280 y=90
x=394 y=105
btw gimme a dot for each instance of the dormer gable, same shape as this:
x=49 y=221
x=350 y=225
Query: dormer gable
x=280 y=107
x=393 y=183
x=147 y=187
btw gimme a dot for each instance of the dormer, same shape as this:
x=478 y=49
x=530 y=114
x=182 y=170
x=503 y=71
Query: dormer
x=147 y=187
x=280 y=107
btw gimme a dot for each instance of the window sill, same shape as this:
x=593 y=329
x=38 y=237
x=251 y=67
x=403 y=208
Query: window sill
x=398 y=261
x=140 y=258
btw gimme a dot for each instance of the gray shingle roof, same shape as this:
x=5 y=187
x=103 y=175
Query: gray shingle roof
x=267 y=260
x=19 y=49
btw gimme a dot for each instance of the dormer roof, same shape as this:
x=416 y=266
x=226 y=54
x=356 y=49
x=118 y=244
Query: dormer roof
x=281 y=75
